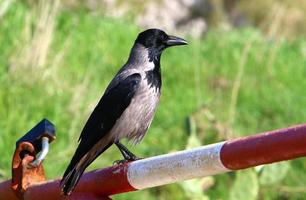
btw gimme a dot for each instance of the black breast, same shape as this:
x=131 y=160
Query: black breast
x=154 y=77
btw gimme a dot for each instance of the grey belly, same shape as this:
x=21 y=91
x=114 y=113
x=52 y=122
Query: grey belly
x=137 y=118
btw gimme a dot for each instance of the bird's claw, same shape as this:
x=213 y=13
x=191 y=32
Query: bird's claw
x=132 y=158
x=120 y=162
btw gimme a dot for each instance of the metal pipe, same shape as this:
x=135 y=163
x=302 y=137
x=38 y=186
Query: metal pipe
x=245 y=152
x=6 y=193
x=268 y=147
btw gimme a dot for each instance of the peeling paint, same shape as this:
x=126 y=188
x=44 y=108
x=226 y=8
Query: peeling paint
x=178 y=166
x=117 y=171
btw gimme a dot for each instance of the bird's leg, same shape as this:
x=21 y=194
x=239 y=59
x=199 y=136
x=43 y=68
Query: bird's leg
x=128 y=156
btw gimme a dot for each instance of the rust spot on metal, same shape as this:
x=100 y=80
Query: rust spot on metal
x=22 y=174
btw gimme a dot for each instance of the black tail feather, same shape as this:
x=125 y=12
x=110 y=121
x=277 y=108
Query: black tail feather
x=68 y=183
x=75 y=170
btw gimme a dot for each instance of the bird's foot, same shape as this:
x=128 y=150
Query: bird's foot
x=125 y=160
x=120 y=162
x=131 y=157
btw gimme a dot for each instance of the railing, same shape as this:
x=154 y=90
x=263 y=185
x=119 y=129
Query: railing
x=241 y=153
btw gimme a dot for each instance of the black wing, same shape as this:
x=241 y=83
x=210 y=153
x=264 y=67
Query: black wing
x=110 y=107
x=112 y=104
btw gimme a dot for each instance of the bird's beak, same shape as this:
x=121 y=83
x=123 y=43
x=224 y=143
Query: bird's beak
x=174 y=41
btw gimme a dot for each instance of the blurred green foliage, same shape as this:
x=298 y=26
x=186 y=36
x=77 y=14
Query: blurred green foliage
x=56 y=63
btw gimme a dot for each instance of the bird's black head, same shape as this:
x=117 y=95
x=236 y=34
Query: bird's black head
x=156 y=40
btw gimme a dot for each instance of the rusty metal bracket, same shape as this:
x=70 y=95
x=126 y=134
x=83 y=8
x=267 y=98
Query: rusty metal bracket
x=26 y=165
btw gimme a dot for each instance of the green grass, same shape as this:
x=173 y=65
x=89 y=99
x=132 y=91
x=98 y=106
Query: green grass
x=85 y=52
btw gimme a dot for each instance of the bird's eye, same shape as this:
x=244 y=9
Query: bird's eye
x=160 y=40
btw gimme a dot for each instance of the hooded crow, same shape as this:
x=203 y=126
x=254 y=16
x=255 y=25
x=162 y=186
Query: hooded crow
x=127 y=106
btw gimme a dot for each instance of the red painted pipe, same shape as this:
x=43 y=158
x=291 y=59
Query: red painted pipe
x=272 y=146
x=100 y=183
x=268 y=147
x=6 y=193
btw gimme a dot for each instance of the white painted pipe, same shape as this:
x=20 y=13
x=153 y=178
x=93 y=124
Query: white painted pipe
x=173 y=167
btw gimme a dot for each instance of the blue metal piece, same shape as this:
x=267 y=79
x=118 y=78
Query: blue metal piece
x=43 y=129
